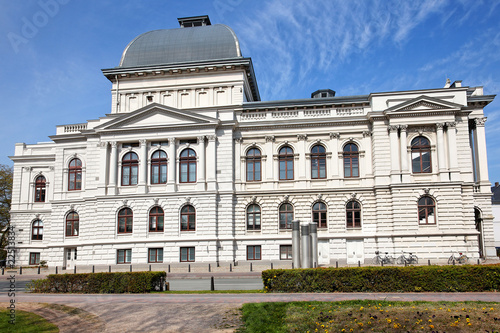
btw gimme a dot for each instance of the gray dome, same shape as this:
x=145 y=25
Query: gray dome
x=160 y=47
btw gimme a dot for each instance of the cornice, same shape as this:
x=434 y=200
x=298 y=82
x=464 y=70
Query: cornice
x=33 y=158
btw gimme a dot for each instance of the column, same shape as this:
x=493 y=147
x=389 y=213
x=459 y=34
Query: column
x=367 y=164
x=202 y=162
x=301 y=165
x=171 y=172
x=143 y=166
x=481 y=157
x=334 y=165
x=201 y=165
x=103 y=168
x=113 y=168
x=211 y=166
x=405 y=172
x=270 y=158
x=393 y=137
x=441 y=152
x=452 y=151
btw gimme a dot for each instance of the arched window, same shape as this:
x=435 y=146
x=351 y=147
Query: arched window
x=72 y=224
x=188 y=166
x=130 y=166
x=353 y=214
x=75 y=175
x=286 y=216
x=426 y=210
x=253 y=217
x=37 y=230
x=159 y=167
x=351 y=161
x=156 y=216
x=253 y=165
x=188 y=218
x=421 y=155
x=286 y=163
x=318 y=162
x=319 y=214
x=40 y=189
x=125 y=219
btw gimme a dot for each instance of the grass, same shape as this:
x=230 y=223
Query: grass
x=371 y=316
x=253 y=291
x=26 y=322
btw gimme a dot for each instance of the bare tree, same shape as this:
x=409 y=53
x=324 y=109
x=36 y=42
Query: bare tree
x=6 y=173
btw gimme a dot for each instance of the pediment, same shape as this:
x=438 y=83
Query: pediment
x=423 y=104
x=157 y=115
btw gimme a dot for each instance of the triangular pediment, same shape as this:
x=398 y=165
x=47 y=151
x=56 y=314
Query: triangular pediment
x=423 y=104
x=156 y=115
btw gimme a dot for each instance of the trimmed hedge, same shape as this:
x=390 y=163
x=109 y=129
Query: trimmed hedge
x=384 y=279
x=99 y=283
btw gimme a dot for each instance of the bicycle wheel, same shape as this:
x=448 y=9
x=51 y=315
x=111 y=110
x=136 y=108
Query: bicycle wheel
x=463 y=259
x=451 y=260
x=389 y=260
x=400 y=260
x=376 y=260
x=413 y=259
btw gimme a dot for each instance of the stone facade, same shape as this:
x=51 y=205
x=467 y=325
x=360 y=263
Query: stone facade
x=213 y=109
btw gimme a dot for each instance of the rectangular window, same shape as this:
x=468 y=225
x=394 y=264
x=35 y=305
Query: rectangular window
x=34 y=258
x=124 y=256
x=155 y=255
x=253 y=252
x=159 y=143
x=285 y=252
x=187 y=254
x=130 y=145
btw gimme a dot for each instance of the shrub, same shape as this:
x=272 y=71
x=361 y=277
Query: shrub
x=384 y=279
x=99 y=283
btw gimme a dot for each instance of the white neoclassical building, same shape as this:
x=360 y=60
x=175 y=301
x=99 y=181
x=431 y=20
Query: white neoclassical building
x=191 y=166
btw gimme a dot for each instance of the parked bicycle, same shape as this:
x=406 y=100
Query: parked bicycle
x=383 y=260
x=461 y=259
x=407 y=260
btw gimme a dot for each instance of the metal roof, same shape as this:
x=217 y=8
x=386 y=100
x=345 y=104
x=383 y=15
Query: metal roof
x=159 y=47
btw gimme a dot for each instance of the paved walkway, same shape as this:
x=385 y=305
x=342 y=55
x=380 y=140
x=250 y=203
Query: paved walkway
x=246 y=298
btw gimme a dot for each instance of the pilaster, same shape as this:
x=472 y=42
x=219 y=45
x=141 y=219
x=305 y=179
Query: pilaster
x=393 y=137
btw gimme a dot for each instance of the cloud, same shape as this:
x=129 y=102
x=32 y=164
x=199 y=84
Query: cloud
x=292 y=40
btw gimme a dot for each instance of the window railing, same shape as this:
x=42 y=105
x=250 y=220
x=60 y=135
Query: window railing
x=307 y=113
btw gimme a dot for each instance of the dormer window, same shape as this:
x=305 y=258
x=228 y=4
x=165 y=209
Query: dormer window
x=194 y=21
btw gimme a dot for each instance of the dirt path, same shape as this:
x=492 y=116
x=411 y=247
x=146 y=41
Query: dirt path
x=138 y=317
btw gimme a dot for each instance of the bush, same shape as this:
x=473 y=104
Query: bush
x=99 y=283
x=384 y=279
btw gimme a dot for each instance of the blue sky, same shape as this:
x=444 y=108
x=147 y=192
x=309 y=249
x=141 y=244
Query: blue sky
x=52 y=52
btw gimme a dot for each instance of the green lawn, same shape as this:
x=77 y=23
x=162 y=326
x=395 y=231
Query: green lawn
x=371 y=316
x=26 y=322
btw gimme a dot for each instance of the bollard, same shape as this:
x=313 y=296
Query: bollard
x=20 y=270
x=292 y=265
x=250 y=267
x=429 y=262
x=189 y=268
x=336 y=264
x=382 y=263
x=131 y=268
x=478 y=262
x=169 y=268
x=359 y=263
x=314 y=265
x=56 y=269
x=212 y=284
x=453 y=262
x=230 y=267
x=150 y=267
x=271 y=265
x=218 y=263
x=3 y=271
x=38 y=269
x=93 y=269
x=406 y=264
x=110 y=268
x=209 y=268
x=74 y=270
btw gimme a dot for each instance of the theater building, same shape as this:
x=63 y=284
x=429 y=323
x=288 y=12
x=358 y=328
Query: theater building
x=191 y=166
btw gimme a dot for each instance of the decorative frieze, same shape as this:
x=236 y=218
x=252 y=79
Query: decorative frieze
x=270 y=138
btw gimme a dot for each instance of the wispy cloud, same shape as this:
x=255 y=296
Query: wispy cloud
x=292 y=39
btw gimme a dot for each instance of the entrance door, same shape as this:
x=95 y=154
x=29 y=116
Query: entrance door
x=323 y=252
x=355 y=251
x=70 y=256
